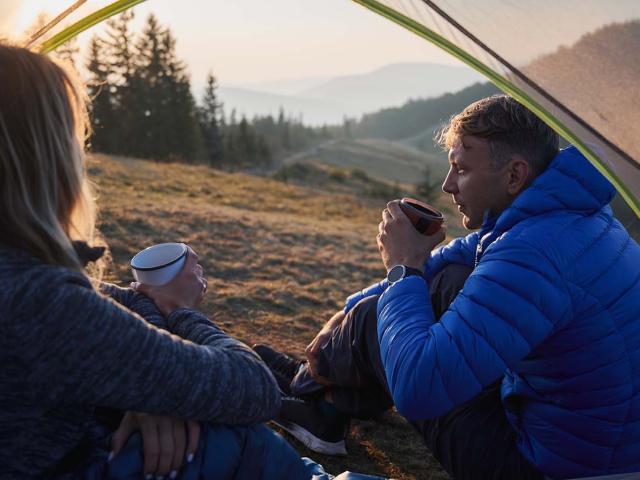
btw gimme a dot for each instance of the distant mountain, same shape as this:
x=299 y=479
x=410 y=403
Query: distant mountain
x=392 y=85
x=247 y=102
x=286 y=86
x=351 y=96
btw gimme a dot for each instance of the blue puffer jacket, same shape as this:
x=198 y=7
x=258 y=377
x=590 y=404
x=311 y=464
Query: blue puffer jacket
x=553 y=305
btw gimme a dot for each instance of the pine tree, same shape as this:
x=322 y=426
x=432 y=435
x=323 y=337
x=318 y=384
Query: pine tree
x=120 y=58
x=180 y=118
x=283 y=127
x=166 y=125
x=247 y=144
x=120 y=39
x=231 y=150
x=211 y=117
x=264 y=154
x=149 y=122
x=103 y=119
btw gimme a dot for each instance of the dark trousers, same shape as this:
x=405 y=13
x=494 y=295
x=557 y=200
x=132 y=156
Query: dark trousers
x=474 y=441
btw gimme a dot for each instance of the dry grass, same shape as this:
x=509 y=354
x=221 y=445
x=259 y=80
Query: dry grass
x=280 y=260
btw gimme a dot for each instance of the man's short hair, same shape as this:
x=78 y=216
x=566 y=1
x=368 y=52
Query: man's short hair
x=508 y=127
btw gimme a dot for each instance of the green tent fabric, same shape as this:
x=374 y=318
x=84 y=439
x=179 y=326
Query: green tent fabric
x=77 y=16
x=574 y=63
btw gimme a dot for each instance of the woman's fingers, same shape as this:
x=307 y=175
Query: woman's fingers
x=150 y=445
x=179 y=446
x=166 y=442
x=193 y=433
x=121 y=435
x=167 y=446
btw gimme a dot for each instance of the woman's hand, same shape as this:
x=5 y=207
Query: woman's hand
x=166 y=441
x=186 y=290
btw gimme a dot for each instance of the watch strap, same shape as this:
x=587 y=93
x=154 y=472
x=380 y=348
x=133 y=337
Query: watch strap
x=398 y=272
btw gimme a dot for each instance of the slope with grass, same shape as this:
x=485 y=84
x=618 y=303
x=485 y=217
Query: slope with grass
x=380 y=159
x=280 y=259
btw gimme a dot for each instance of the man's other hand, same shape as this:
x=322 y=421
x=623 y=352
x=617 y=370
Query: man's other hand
x=400 y=243
x=322 y=338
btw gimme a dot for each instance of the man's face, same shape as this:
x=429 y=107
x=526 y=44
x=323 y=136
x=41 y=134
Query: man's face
x=475 y=186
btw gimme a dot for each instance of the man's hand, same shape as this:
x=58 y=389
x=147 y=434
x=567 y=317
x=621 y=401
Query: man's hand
x=400 y=243
x=313 y=349
x=166 y=441
x=186 y=290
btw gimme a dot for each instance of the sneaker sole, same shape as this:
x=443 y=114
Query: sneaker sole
x=312 y=442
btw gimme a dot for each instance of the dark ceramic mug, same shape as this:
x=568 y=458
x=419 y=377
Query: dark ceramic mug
x=423 y=216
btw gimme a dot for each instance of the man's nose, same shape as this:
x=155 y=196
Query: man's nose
x=449 y=185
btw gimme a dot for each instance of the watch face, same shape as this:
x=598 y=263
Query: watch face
x=395 y=274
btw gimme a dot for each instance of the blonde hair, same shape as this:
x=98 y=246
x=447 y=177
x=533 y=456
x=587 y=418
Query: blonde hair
x=508 y=127
x=45 y=198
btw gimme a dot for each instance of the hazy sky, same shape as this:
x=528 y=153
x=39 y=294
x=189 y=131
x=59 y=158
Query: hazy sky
x=250 y=41
x=246 y=41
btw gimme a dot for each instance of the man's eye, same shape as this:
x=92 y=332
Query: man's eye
x=459 y=171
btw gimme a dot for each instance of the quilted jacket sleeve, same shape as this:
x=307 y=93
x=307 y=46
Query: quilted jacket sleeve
x=375 y=289
x=460 y=250
x=512 y=301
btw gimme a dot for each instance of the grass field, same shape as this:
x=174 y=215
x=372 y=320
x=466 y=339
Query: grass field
x=280 y=260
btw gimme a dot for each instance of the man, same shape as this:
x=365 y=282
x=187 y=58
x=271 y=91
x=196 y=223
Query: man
x=528 y=367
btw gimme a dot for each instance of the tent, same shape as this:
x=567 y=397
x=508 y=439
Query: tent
x=573 y=63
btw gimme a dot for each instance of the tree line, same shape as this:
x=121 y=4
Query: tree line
x=415 y=116
x=143 y=106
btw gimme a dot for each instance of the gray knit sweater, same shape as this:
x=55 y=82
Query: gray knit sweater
x=66 y=349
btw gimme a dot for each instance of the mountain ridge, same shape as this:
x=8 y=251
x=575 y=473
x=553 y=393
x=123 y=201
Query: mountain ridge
x=349 y=95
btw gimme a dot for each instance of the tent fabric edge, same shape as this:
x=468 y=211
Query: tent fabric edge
x=89 y=21
x=507 y=87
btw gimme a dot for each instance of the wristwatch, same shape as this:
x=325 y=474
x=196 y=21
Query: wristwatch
x=399 y=272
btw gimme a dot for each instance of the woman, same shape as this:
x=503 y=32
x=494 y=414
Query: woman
x=67 y=352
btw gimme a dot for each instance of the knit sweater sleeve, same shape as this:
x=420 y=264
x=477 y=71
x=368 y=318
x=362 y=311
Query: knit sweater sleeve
x=84 y=348
x=136 y=302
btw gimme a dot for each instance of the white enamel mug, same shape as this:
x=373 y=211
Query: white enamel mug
x=158 y=264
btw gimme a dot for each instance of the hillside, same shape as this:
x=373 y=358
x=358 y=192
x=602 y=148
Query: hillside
x=380 y=159
x=396 y=144
x=280 y=260
x=603 y=67
x=419 y=117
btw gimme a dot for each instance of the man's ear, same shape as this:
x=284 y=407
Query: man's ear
x=519 y=174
